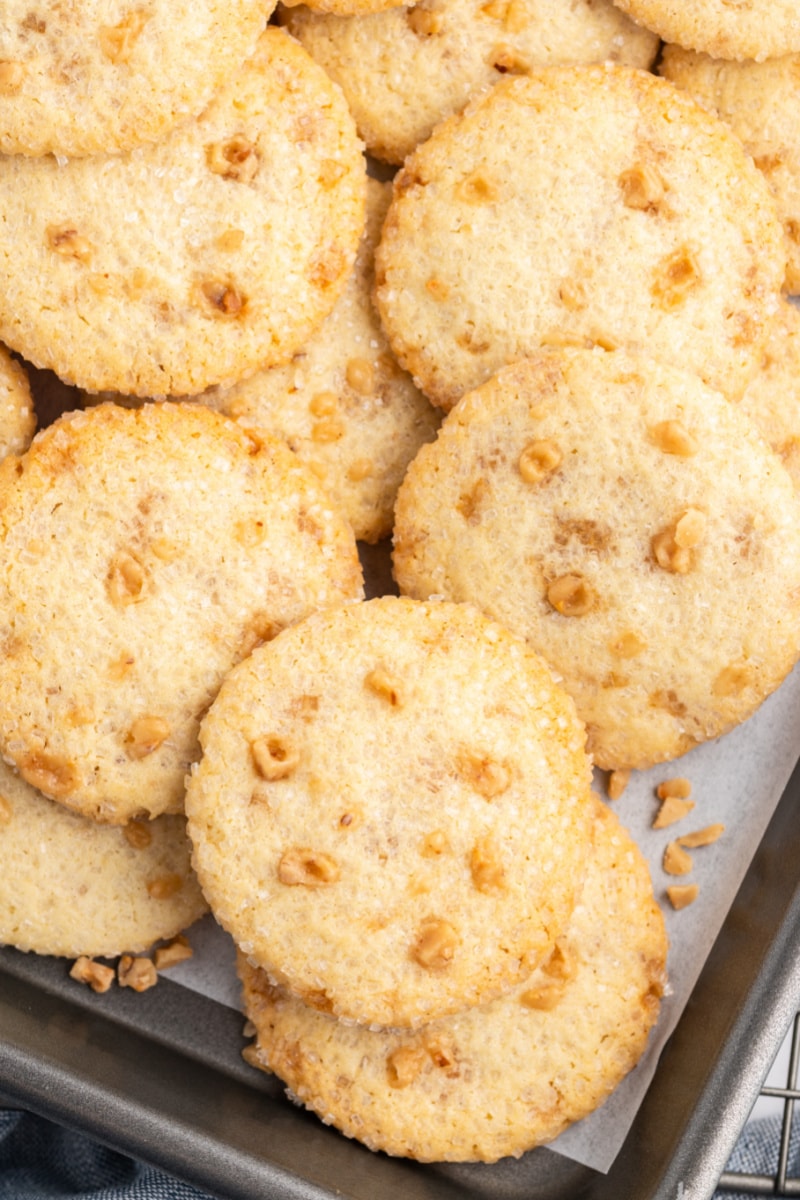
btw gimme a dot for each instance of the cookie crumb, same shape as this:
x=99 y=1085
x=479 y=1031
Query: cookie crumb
x=94 y=974
x=672 y=809
x=676 y=860
x=174 y=952
x=678 y=788
x=702 y=837
x=251 y=1057
x=681 y=895
x=137 y=973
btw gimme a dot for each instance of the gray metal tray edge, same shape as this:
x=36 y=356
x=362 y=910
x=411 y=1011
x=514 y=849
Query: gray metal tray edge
x=161 y=1080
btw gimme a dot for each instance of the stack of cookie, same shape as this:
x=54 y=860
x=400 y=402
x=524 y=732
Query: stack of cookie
x=449 y=948
x=538 y=359
x=584 y=269
x=144 y=552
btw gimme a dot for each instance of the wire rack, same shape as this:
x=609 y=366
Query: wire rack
x=780 y=1183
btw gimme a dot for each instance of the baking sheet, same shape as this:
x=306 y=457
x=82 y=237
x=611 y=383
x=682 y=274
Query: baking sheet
x=159 y=1075
x=737 y=780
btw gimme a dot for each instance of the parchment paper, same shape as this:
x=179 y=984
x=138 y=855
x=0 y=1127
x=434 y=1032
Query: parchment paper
x=736 y=780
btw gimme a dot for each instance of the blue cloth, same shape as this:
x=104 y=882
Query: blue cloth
x=42 y=1161
x=757 y=1152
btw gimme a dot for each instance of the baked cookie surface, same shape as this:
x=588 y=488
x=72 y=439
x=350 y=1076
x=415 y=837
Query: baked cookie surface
x=391 y=812
x=772 y=398
x=104 y=76
x=193 y=261
x=144 y=552
x=70 y=886
x=628 y=522
x=503 y=1078
x=405 y=69
x=756 y=29
x=349 y=7
x=342 y=403
x=761 y=103
x=579 y=206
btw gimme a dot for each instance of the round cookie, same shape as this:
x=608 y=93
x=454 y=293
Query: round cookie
x=342 y=403
x=102 y=76
x=629 y=522
x=579 y=206
x=70 y=886
x=761 y=103
x=501 y=1079
x=736 y=29
x=193 y=261
x=144 y=552
x=391 y=810
x=772 y=399
x=405 y=69
x=17 y=415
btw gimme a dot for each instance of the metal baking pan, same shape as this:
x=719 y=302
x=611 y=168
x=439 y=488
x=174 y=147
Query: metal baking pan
x=159 y=1075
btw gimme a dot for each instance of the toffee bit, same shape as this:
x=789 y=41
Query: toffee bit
x=681 y=895
x=702 y=837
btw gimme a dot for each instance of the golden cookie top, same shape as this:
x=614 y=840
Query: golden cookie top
x=579 y=206
x=71 y=886
x=143 y=553
x=195 y=260
x=511 y=1075
x=390 y=814
x=756 y=29
x=103 y=75
x=632 y=525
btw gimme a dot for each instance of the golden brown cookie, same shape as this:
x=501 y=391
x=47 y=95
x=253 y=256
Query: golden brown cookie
x=761 y=103
x=102 y=76
x=70 y=886
x=391 y=812
x=735 y=29
x=629 y=522
x=579 y=206
x=197 y=259
x=144 y=552
x=500 y=1079
x=772 y=399
x=404 y=69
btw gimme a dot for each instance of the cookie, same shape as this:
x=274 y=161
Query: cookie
x=93 y=77
x=761 y=103
x=629 y=522
x=17 y=415
x=342 y=403
x=347 y=7
x=70 y=886
x=772 y=399
x=193 y=261
x=503 y=1078
x=405 y=69
x=391 y=810
x=756 y=29
x=579 y=206
x=144 y=552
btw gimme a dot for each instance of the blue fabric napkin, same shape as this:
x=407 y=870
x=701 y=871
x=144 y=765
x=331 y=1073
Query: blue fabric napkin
x=42 y=1161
